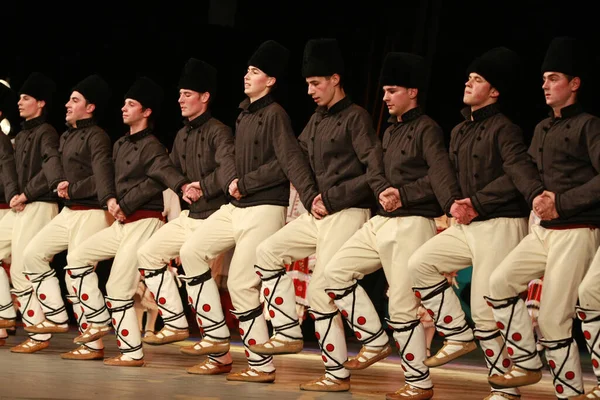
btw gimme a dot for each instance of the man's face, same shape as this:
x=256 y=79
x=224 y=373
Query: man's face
x=397 y=99
x=132 y=112
x=190 y=103
x=256 y=82
x=478 y=91
x=558 y=89
x=77 y=108
x=30 y=107
x=321 y=89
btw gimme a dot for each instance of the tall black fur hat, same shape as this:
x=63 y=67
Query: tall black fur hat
x=95 y=90
x=403 y=69
x=198 y=76
x=39 y=86
x=322 y=57
x=501 y=67
x=567 y=55
x=148 y=93
x=271 y=57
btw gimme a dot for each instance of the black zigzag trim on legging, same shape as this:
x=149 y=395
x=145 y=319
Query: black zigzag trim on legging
x=251 y=316
x=496 y=359
x=328 y=317
x=271 y=304
x=207 y=329
x=167 y=319
x=371 y=336
x=81 y=273
x=593 y=348
x=557 y=372
x=512 y=302
x=409 y=326
x=122 y=309
x=440 y=289
x=38 y=278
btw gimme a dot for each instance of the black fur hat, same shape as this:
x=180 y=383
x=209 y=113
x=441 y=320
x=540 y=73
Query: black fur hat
x=95 y=90
x=322 y=57
x=271 y=57
x=501 y=67
x=566 y=55
x=148 y=93
x=198 y=76
x=403 y=69
x=39 y=86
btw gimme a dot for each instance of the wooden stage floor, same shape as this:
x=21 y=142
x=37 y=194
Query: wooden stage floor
x=45 y=375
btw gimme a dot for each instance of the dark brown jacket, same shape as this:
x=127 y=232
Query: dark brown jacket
x=268 y=157
x=567 y=153
x=203 y=150
x=345 y=155
x=86 y=154
x=417 y=164
x=143 y=170
x=8 y=171
x=492 y=165
x=37 y=160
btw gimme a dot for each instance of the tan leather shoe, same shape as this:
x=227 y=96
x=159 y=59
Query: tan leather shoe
x=367 y=357
x=408 y=392
x=515 y=377
x=594 y=394
x=123 y=361
x=92 y=333
x=275 y=346
x=166 y=335
x=7 y=323
x=252 y=375
x=450 y=351
x=47 y=327
x=83 y=353
x=326 y=384
x=210 y=367
x=30 y=346
x=206 y=346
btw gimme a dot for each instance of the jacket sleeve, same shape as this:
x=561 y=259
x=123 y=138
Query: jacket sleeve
x=520 y=174
x=440 y=181
x=587 y=195
x=217 y=182
x=8 y=170
x=367 y=148
x=52 y=172
x=102 y=181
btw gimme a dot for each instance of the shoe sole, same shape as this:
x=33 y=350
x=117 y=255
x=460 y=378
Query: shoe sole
x=433 y=362
x=519 y=382
x=167 y=340
x=272 y=351
x=369 y=362
x=205 y=350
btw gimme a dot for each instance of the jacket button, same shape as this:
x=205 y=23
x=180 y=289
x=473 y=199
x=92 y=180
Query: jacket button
x=384 y=150
x=478 y=137
x=202 y=138
x=476 y=175
x=259 y=122
x=312 y=138
x=237 y=121
x=475 y=155
x=259 y=115
x=135 y=148
x=566 y=139
x=455 y=152
x=541 y=171
x=409 y=136
x=337 y=173
x=339 y=123
x=482 y=128
x=185 y=139
x=541 y=149
x=82 y=138
x=316 y=123
x=546 y=128
x=332 y=140
x=128 y=162
x=256 y=142
x=199 y=156
x=402 y=151
x=568 y=126
x=461 y=131
x=201 y=175
x=183 y=156
x=255 y=157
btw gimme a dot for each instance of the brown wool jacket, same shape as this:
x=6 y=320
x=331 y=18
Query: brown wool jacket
x=37 y=160
x=143 y=170
x=203 y=150
x=86 y=154
x=566 y=151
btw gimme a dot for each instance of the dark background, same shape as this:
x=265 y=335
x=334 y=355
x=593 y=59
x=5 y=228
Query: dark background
x=121 y=41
